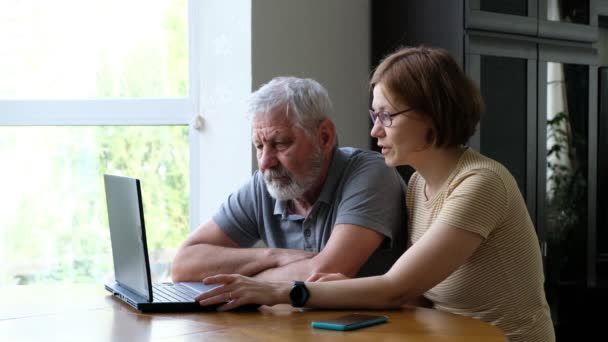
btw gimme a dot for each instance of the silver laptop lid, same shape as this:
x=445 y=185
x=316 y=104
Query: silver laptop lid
x=127 y=233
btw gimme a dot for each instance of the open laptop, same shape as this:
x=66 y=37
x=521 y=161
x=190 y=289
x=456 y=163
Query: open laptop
x=131 y=264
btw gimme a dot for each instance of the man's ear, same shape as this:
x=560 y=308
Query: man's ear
x=327 y=135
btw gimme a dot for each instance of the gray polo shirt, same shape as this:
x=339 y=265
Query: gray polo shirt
x=360 y=189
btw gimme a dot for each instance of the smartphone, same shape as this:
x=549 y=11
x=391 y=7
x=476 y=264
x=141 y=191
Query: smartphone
x=349 y=322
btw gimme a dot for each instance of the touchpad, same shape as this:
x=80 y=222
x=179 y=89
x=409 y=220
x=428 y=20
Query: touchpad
x=198 y=286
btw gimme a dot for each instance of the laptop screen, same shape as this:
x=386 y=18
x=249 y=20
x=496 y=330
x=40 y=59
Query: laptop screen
x=129 y=250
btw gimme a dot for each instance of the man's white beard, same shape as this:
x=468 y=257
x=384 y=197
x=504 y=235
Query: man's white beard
x=293 y=188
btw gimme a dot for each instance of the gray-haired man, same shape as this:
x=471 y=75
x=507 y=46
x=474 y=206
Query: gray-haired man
x=318 y=208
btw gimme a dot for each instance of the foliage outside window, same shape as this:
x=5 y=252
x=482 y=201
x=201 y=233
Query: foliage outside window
x=53 y=221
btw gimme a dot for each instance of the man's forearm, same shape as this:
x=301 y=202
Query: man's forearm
x=298 y=270
x=195 y=262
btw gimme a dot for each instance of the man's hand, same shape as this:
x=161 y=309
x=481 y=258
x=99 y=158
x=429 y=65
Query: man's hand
x=346 y=251
x=318 y=277
x=288 y=256
x=209 y=251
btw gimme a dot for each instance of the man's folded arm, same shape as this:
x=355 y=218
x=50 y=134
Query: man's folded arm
x=347 y=250
x=209 y=251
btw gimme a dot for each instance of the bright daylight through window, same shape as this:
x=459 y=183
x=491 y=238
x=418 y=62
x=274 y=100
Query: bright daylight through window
x=97 y=62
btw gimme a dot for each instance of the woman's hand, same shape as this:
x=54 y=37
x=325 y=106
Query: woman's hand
x=326 y=277
x=237 y=290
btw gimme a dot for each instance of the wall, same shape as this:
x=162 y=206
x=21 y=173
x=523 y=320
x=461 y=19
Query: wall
x=225 y=137
x=247 y=42
x=325 y=40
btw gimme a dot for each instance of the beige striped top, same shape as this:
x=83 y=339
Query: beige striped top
x=502 y=283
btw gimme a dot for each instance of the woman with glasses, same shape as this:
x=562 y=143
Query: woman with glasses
x=474 y=250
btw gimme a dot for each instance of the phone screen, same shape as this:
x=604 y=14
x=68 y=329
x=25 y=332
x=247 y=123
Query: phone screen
x=349 y=322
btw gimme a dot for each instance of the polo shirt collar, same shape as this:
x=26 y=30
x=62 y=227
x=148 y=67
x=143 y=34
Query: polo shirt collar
x=338 y=163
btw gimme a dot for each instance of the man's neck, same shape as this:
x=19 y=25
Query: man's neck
x=300 y=207
x=303 y=205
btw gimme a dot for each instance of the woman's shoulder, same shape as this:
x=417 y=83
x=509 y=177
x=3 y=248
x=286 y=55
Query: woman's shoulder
x=414 y=185
x=493 y=173
x=472 y=160
x=413 y=178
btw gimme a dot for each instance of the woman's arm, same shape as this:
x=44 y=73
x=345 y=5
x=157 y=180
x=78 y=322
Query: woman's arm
x=430 y=260
x=440 y=251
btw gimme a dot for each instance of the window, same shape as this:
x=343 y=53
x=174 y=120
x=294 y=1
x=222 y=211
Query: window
x=69 y=49
x=88 y=88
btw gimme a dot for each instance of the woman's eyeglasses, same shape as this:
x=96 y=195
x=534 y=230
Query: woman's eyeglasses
x=386 y=118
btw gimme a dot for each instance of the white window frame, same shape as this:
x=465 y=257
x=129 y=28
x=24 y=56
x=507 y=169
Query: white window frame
x=127 y=112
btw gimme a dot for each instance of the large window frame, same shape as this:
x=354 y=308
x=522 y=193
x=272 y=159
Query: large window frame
x=128 y=112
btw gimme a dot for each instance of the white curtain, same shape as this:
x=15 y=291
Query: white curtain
x=557 y=134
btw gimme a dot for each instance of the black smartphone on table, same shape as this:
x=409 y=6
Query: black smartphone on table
x=349 y=322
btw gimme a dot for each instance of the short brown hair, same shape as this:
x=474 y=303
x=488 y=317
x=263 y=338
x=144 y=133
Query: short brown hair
x=431 y=81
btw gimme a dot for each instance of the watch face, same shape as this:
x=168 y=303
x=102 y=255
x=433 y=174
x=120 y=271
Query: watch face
x=298 y=294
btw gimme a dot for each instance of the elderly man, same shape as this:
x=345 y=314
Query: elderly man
x=318 y=208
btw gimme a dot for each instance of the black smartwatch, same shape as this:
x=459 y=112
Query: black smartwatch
x=299 y=294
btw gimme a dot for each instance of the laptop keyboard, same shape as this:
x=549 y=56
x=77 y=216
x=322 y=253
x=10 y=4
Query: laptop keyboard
x=168 y=293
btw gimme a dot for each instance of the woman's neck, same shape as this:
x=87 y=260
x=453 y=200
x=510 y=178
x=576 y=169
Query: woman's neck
x=435 y=165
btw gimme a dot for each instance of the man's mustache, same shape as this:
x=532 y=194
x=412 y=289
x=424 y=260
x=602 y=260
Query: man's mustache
x=279 y=172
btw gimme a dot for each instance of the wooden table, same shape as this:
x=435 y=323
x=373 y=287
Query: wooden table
x=89 y=313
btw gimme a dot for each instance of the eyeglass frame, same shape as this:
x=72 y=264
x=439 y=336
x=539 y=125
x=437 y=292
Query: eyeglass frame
x=386 y=116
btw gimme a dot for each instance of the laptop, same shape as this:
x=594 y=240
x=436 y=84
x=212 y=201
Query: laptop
x=130 y=253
